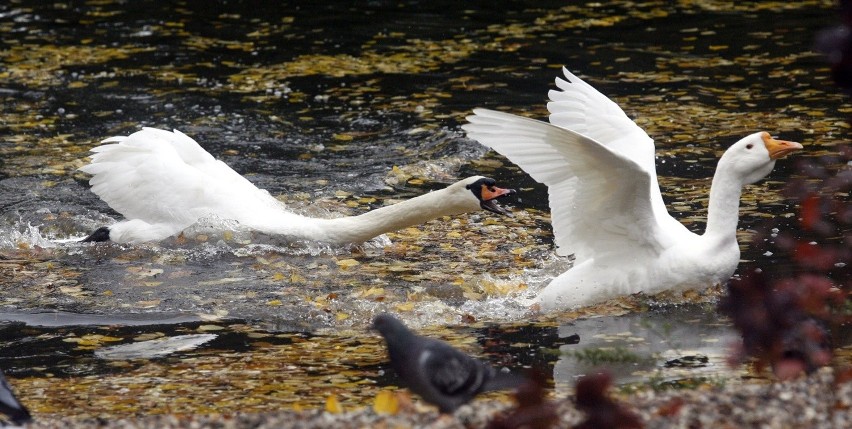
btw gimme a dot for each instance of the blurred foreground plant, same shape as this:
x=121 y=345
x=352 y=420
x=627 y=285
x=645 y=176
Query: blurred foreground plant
x=786 y=316
x=601 y=410
x=532 y=409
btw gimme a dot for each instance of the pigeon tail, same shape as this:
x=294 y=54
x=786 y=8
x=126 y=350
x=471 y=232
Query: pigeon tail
x=503 y=381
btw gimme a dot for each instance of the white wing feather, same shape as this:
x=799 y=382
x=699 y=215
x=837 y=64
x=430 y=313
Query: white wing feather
x=581 y=108
x=599 y=198
x=164 y=177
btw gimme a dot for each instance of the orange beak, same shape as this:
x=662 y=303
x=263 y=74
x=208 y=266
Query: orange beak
x=493 y=192
x=779 y=148
x=488 y=199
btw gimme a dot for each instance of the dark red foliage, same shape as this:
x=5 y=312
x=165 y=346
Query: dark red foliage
x=785 y=317
x=785 y=314
x=601 y=410
x=533 y=410
x=843 y=376
x=672 y=407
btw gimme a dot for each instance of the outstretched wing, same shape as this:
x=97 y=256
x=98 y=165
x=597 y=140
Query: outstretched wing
x=579 y=107
x=166 y=177
x=600 y=199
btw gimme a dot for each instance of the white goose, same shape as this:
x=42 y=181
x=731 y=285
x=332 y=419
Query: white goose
x=163 y=182
x=606 y=206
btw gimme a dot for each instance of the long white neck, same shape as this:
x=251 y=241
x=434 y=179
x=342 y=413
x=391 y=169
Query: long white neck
x=723 y=212
x=357 y=229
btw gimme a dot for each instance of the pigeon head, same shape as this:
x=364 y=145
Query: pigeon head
x=389 y=326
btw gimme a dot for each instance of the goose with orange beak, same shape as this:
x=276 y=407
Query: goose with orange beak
x=605 y=202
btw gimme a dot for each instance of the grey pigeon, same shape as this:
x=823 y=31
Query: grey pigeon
x=440 y=374
x=9 y=404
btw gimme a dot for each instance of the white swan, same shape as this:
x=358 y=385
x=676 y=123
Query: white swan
x=605 y=202
x=163 y=182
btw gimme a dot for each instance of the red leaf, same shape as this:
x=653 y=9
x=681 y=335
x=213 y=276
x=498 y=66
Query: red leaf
x=810 y=212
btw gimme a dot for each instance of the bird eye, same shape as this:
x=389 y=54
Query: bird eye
x=749 y=146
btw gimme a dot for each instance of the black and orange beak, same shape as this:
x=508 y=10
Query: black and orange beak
x=488 y=196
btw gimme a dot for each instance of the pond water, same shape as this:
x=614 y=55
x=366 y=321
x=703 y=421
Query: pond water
x=336 y=108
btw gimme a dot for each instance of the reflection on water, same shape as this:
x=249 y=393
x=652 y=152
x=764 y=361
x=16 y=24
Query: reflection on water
x=663 y=345
x=337 y=114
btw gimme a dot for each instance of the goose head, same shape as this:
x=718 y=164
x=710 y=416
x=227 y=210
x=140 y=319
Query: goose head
x=753 y=157
x=478 y=192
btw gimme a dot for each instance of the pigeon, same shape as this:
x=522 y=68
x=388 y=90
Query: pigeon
x=437 y=372
x=9 y=404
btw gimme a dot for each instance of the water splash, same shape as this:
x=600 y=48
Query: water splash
x=27 y=237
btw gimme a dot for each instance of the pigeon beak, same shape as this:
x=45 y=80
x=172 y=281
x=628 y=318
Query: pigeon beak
x=490 y=196
x=779 y=148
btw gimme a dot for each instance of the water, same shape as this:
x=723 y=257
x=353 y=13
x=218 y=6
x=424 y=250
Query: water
x=339 y=108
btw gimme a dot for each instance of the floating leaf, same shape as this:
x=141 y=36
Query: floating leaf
x=386 y=403
x=332 y=405
x=148 y=304
x=407 y=306
x=347 y=263
x=205 y=328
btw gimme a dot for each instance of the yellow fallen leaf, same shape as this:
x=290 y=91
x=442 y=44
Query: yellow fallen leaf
x=274 y=302
x=208 y=328
x=377 y=291
x=408 y=306
x=148 y=336
x=148 y=304
x=385 y=403
x=347 y=263
x=332 y=405
x=107 y=338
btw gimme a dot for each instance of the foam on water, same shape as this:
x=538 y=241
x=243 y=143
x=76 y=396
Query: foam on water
x=24 y=236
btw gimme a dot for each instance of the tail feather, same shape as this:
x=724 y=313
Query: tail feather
x=503 y=381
